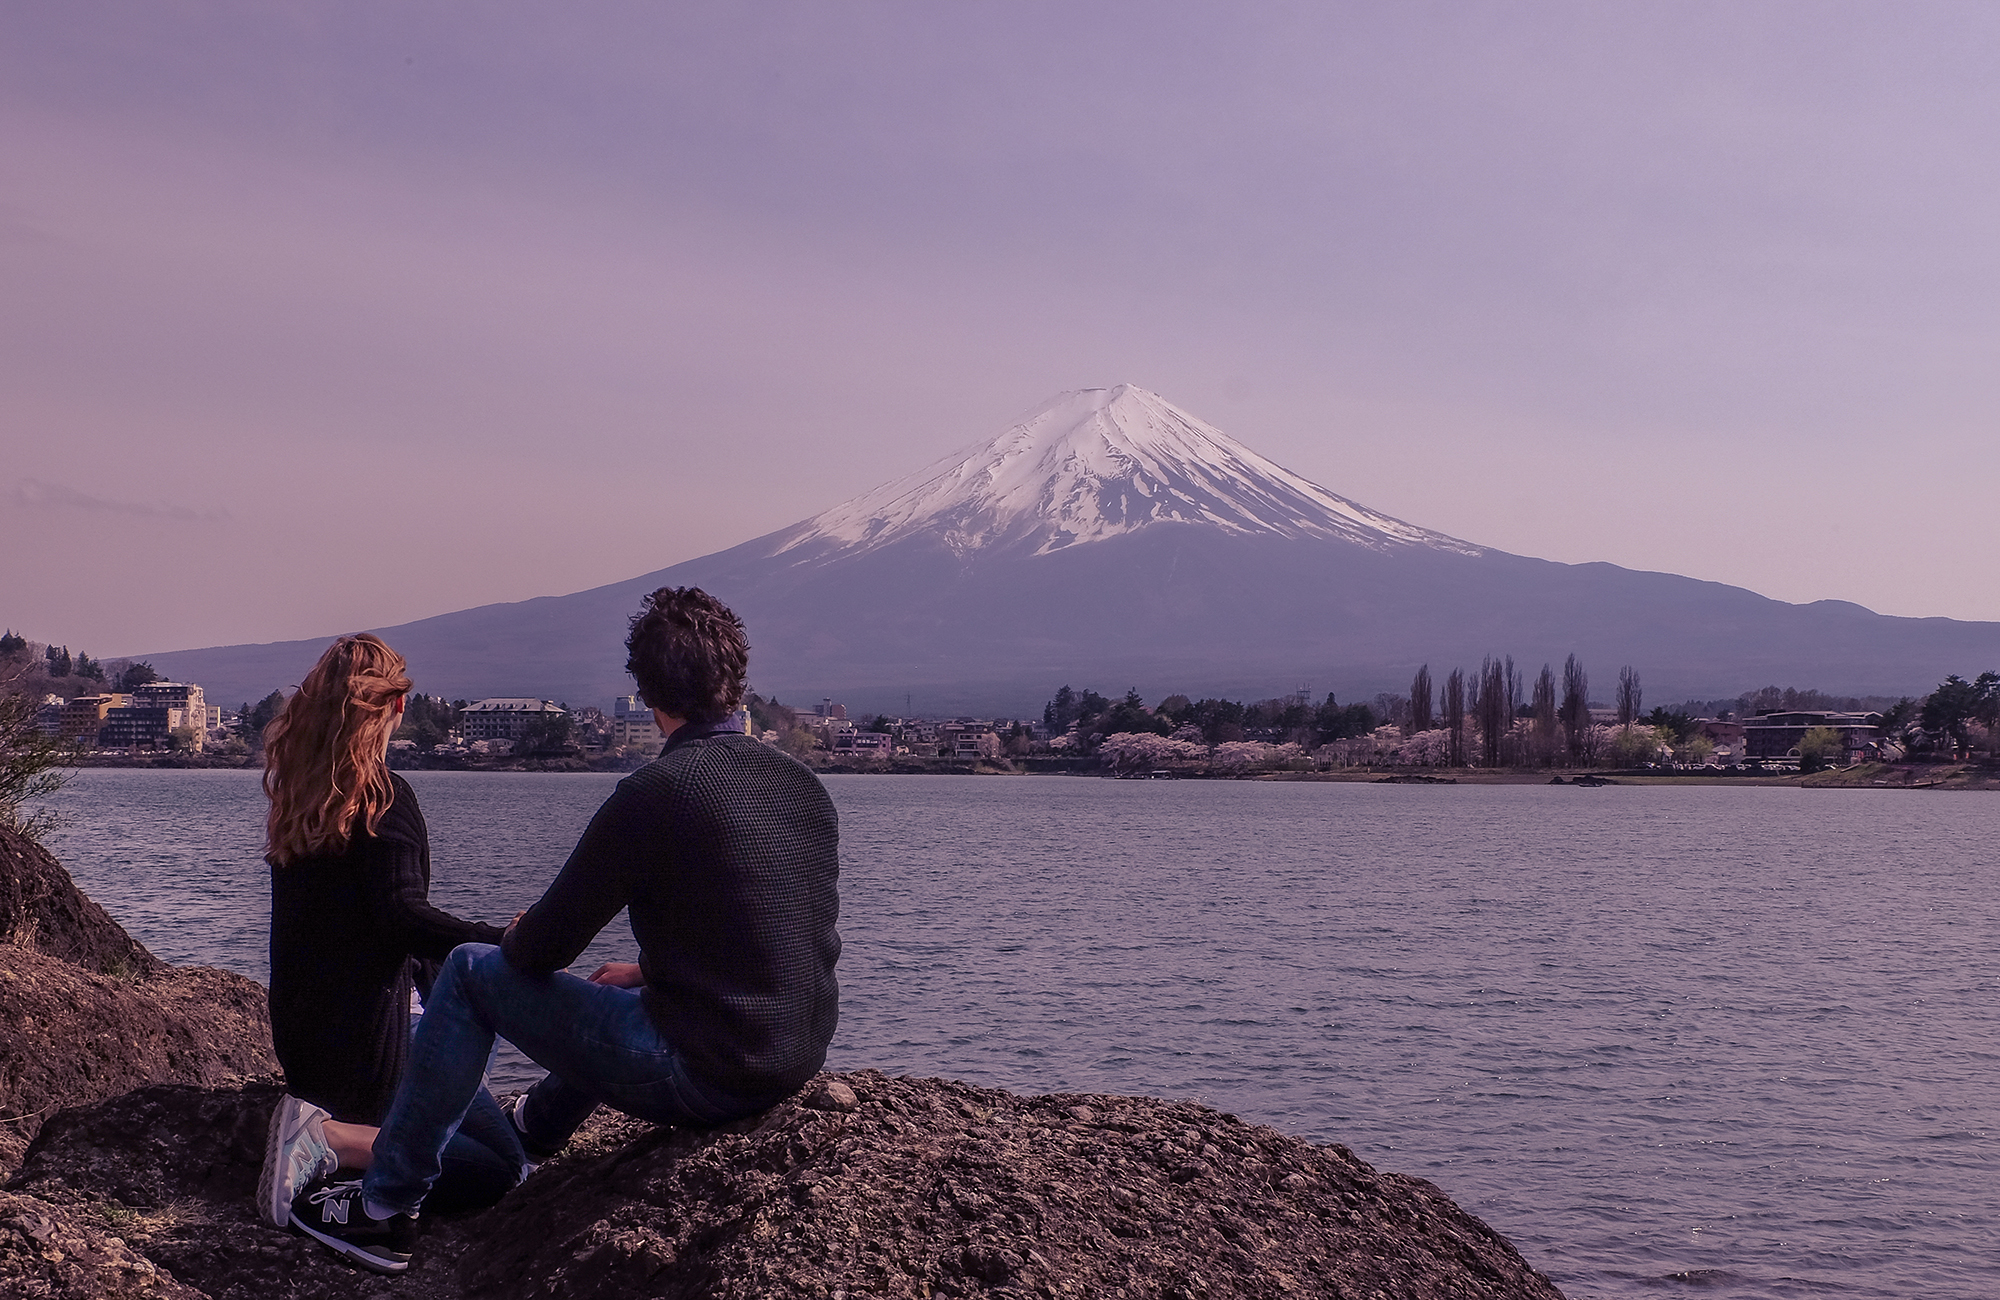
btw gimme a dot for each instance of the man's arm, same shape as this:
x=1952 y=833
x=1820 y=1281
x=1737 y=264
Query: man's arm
x=594 y=886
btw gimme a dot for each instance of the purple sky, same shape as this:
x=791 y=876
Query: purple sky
x=321 y=316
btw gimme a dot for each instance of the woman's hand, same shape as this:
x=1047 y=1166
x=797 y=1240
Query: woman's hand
x=620 y=974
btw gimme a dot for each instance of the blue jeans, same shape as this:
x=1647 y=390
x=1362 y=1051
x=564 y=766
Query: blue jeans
x=596 y=1041
x=483 y=1160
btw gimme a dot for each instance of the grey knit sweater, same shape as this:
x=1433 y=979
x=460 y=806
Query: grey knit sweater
x=727 y=853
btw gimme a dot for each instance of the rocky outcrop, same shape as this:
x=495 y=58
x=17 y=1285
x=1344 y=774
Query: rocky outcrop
x=42 y=910
x=880 y=1186
x=51 y=1252
x=87 y=1013
x=137 y=1082
x=863 y=1185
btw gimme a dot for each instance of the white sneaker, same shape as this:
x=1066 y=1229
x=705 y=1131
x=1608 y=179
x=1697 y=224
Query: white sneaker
x=295 y=1153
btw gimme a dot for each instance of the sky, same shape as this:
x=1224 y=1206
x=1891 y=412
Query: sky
x=324 y=316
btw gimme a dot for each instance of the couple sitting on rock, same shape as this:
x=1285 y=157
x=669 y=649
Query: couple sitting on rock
x=724 y=849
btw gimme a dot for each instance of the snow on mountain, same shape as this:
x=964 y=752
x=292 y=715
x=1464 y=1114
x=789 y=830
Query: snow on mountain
x=1089 y=465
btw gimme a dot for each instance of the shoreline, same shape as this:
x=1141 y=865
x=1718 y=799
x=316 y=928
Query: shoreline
x=1867 y=776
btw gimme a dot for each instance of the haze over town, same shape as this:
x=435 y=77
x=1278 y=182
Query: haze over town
x=341 y=316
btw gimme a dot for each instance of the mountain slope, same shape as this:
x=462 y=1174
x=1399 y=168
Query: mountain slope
x=1110 y=539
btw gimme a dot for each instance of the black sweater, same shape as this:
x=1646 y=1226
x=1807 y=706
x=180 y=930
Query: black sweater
x=343 y=932
x=727 y=852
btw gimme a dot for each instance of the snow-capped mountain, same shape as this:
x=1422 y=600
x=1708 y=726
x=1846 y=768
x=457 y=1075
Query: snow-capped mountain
x=1108 y=539
x=1092 y=464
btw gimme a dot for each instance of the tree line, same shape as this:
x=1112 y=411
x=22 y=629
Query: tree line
x=29 y=667
x=1292 y=718
x=1495 y=717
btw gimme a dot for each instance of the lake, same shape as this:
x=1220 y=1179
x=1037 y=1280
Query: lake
x=1732 y=1041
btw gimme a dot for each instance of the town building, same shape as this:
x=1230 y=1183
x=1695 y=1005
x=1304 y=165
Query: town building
x=157 y=715
x=1776 y=735
x=875 y=744
x=134 y=726
x=632 y=727
x=1727 y=737
x=505 y=717
x=48 y=715
x=174 y=695
x=83 y=717
x=967 y=739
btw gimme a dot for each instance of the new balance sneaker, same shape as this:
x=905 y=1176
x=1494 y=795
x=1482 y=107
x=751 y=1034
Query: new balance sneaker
x=537 y=1154
x=295 y=1153
x=332 y=1213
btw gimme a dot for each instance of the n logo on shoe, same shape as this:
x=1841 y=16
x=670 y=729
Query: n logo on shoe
x=333 y=1212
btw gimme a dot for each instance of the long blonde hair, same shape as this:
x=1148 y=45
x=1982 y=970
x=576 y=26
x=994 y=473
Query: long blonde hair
x=324 y=765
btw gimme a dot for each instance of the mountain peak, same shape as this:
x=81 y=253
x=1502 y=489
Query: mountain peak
x=1091 y=464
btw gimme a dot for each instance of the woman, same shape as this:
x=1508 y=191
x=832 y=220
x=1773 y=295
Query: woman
x=352 y=929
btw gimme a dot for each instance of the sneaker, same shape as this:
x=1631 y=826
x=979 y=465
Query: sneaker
x=331 y=1212
x=536 y=1153
x=295 y=1153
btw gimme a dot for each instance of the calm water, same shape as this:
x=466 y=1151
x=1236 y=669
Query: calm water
x=1727 y=1042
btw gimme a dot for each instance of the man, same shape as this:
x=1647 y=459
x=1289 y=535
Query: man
x=726 y=851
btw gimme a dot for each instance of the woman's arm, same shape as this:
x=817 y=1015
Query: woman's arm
x=401 y=893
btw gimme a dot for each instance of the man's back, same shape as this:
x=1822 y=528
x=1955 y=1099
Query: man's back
x=727 y=852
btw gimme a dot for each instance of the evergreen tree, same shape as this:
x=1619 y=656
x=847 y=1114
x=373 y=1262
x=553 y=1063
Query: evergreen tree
x=1956 y=704
x=1332 y=722
x=259 y=717
x=1060 y=712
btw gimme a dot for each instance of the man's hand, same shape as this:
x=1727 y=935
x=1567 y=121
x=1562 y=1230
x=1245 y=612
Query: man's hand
x=517 y=918
x=620 y=974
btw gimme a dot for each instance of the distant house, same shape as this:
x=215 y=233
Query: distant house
x=505 y=718
x=1777 y=734
x=1726 y=736
x=968 y=739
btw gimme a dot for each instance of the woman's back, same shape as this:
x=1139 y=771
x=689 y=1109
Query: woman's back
x=344 y=929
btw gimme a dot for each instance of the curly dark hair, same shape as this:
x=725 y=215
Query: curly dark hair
x=688 y=654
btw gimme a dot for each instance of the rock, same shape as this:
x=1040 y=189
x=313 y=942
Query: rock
x=43 y=911
x=832 y=1094
x=926 y=1188
x=87 y=1013
x=51 y=1252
